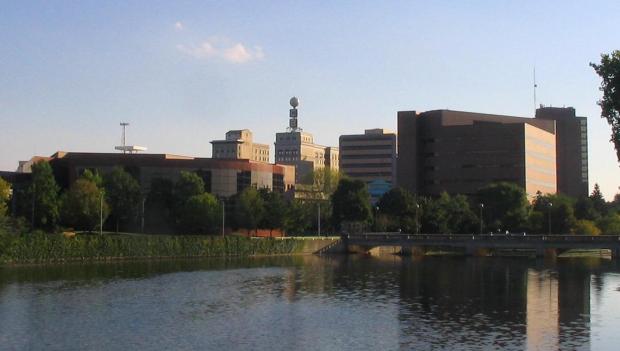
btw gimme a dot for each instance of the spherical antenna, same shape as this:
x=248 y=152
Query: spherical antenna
x=294 y=102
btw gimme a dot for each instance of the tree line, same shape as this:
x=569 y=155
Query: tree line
x=184 y=207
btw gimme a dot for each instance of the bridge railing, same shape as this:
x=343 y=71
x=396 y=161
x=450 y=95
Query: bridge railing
x=396 y=236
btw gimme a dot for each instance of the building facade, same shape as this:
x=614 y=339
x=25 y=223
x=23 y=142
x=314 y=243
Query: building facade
x=571 y=139
x=222 y=177
x=239 y=145
x=461 y=152
x=370 y=157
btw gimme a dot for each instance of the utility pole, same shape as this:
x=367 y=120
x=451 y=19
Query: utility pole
x=549 y=216
x=417 y=222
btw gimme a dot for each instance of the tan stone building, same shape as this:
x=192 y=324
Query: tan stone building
x=460 y=152
x=298 y=148
x=239 y=145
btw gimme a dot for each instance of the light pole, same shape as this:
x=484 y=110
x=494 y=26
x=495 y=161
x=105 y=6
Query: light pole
x=223 y=218
x=319 y=217
x=550 y=204
x=481 y=220
x=417 y=223
x=100 y=212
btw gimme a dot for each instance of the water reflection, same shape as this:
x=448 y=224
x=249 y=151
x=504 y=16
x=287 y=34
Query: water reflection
x=313 y=303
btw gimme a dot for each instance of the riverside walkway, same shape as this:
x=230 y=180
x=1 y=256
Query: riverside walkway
x=470 y=244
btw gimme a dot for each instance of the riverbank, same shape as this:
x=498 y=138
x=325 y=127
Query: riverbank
x=50 y=248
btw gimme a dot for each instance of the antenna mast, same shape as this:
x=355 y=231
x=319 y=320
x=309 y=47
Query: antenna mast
x=123 y=124
x=535 y=86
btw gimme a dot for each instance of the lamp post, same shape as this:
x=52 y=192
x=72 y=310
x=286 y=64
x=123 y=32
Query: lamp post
x=223 y=218
x=417 y=222
x=100 y=212
x=481 y=220
x=319 y=217
x=549 y=205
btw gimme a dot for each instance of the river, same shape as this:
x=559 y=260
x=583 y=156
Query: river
x=313 y=303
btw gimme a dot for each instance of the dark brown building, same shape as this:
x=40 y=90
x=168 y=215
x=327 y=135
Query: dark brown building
x=460 y=152
x=572 y=149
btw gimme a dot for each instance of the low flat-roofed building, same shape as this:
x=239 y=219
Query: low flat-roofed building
x=460 y=152
x=222 y=177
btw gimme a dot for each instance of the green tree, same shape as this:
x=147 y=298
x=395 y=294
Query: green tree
x=5 y=195
x=560 y=209
x=609 y=71
x=321 y=183
x=610 y=224
x=448 y=214
x=586 y=227
x=275 y=213
x=44 y=194
x=505 y=206
x=188 y=185
x=584 y=209
x=598 y=201
x=351 y=202
x=159 y=206
x=397 y=210
x=298 y=217
x=200 y=215
x=249 y=209
x=122 y=193
x=82 y=206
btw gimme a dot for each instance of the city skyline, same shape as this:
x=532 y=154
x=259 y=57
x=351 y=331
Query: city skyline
x=183 y=75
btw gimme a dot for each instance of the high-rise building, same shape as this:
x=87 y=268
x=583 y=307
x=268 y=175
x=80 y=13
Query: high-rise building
x=370 y=157
x=296 y=147
x=460 y=152
x=571 y=139
x=239 y=145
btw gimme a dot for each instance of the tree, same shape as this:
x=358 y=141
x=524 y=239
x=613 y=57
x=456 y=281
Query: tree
x=82 y=207
x=298 y=217
x=609 y=71
x=275 y=210
x=188 y=185
x=586 y=227
x=559 y=208
x=159 y=206
x=598 y=202
x=505 y=206
x=397 y=209
x=249 y=209
x=200 y=215
x=584 y=209
x=122 y=193
x=610 y=224
x=5 y=195
x=448 y=214
x=351 y=202
x=43 y=192
x=322 y=183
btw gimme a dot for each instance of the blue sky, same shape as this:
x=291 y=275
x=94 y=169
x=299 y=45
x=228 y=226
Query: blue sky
x=183 y=73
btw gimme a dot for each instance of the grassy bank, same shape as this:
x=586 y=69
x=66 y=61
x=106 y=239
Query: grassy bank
x=41 y=247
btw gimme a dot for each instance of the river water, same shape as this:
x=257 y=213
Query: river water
x=313 y=303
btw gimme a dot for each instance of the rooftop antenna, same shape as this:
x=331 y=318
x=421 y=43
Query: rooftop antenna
x=124 y=125
x=292 y=123
x=535 y=86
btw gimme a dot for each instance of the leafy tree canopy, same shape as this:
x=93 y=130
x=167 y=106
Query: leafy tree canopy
x=45 y=193
x=609 y=71
x=200 y=215
x=188 y=185
x=122 y=193
x=505 y=206
x=5 y=194
x=249 y=208
x=351 y=202
x=82 y=205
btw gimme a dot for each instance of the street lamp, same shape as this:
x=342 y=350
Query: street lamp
x=549 y=205
x=481 y=220
x=319 y=217
x=417 y=223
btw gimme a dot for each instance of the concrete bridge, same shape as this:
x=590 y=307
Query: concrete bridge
x=542 y=245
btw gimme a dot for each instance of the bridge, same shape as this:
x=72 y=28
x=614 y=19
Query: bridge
x=472 y=244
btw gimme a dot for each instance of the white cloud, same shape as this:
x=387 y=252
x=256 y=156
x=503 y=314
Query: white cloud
x=179 y=26
x=217 y=48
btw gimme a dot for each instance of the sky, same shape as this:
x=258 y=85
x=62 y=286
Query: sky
x=182 y=73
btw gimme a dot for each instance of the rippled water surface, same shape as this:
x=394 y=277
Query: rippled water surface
x=312 y=303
